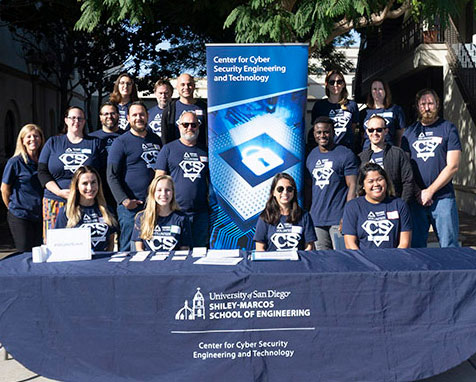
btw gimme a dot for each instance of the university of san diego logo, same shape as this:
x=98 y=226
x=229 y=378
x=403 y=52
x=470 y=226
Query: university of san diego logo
x=73 y=159
x=196 y=311
x=425 y=146
x=377 y=227
x=341 y=119
x=191 y=166
x=322 y=172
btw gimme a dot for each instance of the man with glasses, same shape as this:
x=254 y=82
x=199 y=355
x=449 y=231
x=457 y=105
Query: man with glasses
x=186 y=102
x=163 y=91
x=332 y=169
x=391 y=158
x=187 y=162
x=130 y=169
x=435 y=152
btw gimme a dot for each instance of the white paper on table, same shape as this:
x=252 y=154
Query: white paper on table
x=275 y=255
x=180 y=258
x=199 y=251
x=218 y=260
x=116 y=259
x=140 y=256
x=223 y=253
x=183 y=252
x=159 y=256
x=68 y=244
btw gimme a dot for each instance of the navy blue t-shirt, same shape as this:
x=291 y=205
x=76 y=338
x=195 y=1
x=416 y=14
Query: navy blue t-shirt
x=91 y=217
x=170 y=232
x=181 y=108
x=123 y=112
x=343 y=117
x=376 y=225
x=188 y=167
x=394 y=120
x=106 y=138
x=428 y=146
x=329 y=189
x=135 y=157
x=63 y=158
x=25 y=199
x=285 y=236
x=155 y=120
x=377 y=157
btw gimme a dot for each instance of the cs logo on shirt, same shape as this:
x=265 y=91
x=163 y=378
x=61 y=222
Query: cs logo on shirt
x=426 y=146
x=322 y=173
x=341 y=119
x=192 y=166
x=286 y=237
x=97 y=227
x=377 y=227
x=162 y=243
x=150 y=152
x=73 y=159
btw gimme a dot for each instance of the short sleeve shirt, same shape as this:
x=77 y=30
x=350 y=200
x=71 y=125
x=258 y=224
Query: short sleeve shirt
x=136 y=157
x=376 y=225
x=123 y=112
x=188 y=167
x=106 y=138
x=155 y=120
x=91 y=217
x=342 y=115
x=63 y=158
x=394 y=120
x=428 y=147
x=170 y=232
x=26 y=190
x=329 y=188
x=285 y=236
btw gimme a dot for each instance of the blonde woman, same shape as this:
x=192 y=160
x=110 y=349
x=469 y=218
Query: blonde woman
x=86 y=207
x=21 y=190
x=160 y=226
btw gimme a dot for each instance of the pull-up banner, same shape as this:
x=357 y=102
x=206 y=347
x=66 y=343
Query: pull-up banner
x=256 y=108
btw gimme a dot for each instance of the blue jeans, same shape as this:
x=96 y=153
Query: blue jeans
x=199 y=225
x=126 y=224
x=442 y=215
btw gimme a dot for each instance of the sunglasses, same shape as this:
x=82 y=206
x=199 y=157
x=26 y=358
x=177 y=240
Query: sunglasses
x=193 y=125
x=338 y=82
x=288 y=189
x=377 y=129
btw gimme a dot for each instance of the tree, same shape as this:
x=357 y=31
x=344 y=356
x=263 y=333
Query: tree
x=318 y=22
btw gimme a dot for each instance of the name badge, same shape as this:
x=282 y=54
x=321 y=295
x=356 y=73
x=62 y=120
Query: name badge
x=296 y=229
x=86 y=151
x=392 y=215
x=175 y=229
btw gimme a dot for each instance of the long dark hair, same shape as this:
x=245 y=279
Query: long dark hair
x=364 y=170
x=271 y=212
x=116 y=97
x=344 y=93
x=66 y=113
x=387 y=101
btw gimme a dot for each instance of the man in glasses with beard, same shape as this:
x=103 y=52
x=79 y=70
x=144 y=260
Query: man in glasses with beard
x=435 y=151
x=187 y=163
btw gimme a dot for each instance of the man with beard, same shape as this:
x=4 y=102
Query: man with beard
x=187 y=162
x=163 y=91
x=186 y=102
x=129 y=169
x=435 y=151
x=333 y=172
x=109 y=116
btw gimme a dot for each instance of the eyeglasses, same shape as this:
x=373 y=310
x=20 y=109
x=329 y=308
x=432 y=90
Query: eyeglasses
x=111 y=114
x=193 y=125
x=377 y=129
x=288 y=189
x=79 y=119
x=338 y=82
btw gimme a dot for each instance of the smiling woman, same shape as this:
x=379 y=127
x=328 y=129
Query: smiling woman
x=376 y=219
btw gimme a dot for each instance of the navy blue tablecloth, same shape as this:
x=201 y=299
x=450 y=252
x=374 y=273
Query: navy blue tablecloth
x=381 y=315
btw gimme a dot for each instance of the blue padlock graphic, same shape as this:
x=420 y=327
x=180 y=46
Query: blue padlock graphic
x=260 y=159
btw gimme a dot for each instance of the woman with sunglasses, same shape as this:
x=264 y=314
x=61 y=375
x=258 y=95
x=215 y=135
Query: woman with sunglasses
x=379 y=102
x=22 y=191
x=160 y=226
x=337 y=106
x=283 y=224
x=123 y=95
x=391 y=158
x=376 y=219
x=60 y=158
x=86 y=208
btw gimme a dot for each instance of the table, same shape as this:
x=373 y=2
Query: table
x=376 y=315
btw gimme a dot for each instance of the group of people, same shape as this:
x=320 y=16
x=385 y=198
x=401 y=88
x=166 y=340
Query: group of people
x=144 y=175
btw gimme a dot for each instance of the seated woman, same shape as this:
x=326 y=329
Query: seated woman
x=86 y=207
x=376 y=219
x=160 y=226
x=284 y=225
